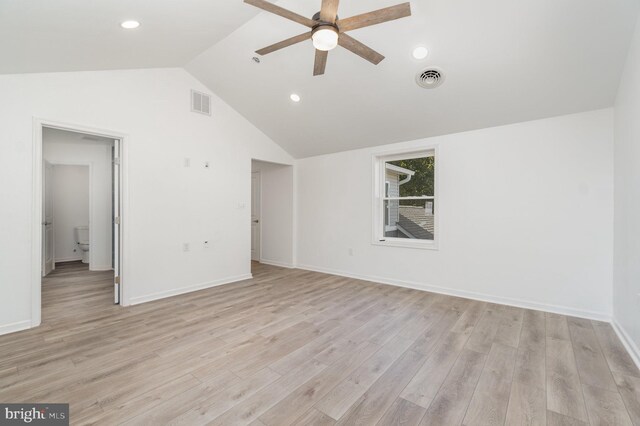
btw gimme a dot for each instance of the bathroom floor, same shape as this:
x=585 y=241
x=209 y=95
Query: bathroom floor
x=72 y=289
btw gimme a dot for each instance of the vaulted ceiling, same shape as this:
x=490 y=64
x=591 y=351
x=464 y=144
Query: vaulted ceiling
x=505 y=61
x=81 y=35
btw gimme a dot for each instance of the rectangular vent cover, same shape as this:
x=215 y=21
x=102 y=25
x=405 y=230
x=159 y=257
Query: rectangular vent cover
x=200 y=102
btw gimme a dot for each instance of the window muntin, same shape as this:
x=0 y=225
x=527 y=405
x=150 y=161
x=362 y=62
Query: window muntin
x=407 y=202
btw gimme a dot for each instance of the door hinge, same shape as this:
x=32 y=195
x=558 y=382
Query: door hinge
x=117 y=280
x=116 y=220
x=116 y=161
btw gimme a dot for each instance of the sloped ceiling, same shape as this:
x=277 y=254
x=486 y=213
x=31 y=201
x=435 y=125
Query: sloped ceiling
x=505 y=61
x=81 y=35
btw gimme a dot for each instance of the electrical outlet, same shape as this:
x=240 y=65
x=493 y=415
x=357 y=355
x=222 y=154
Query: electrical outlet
x=206 y=165
x=185 y=247
x=206 y=244
x=350 y=252
x=187 y=162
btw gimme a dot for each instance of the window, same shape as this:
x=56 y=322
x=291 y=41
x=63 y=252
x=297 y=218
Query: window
x=405 y=199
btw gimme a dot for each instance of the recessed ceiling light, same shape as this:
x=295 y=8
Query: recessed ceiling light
x=420 y=52
x=130 y=25
x=295 y=97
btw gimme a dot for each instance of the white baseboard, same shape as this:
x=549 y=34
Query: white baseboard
x=68 y=259
x=188 y=289
x=628 y=343
x=16 y=326
x=277 y=263
x=594 y=315
x=100 y=268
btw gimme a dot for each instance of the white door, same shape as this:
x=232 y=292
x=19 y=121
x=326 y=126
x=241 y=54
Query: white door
x=255 y=216
x=116 y=221
x=47 y=219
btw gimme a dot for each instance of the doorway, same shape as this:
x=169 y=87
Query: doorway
x=78 y=210
x=272 y=218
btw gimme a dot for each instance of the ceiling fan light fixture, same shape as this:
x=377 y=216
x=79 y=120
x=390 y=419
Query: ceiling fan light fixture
x=325 y=37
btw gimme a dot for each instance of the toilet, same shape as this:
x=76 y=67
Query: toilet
x=82 y=238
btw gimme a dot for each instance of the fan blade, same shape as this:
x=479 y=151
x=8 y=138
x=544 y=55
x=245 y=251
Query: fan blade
x=321 y=62
x=329 y=11
x=359 y=49
x=376 y=17
x=284 y=43
x=270 y=7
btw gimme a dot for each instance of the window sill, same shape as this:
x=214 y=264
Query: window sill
x=415 y=244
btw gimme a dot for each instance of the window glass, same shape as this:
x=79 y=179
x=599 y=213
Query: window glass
x=407 y=207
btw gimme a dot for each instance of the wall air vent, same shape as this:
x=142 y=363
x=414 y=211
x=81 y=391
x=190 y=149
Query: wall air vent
x=430 y=78
x=200 y=102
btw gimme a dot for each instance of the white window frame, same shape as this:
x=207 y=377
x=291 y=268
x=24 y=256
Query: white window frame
x=387 y=217
x=379 y=183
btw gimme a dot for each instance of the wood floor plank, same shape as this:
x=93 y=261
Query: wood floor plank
x=485 y=330
x=490 y=400
x=198 y=406
x=508 y=333
x=297 y=402
x=617 y=357
x=251 y=408
x=527 y=405
x=605 y=407
x=592 y=366
x=557 y=327
x=402 y=413
x=346 y=393
x=306 y=348
x=314 y=417
x=381 y=395
x=629 y=388
x=564 y=391
x=555 y=419
x=425 y=384
x=450 y=403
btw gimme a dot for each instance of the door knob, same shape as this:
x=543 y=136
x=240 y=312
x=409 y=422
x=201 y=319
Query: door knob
x=256 y=221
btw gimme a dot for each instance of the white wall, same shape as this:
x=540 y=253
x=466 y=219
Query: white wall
x=526 y=215
x=277 y=224
x=70 y=192
x=626 y=288
x=60 y=147
x=169 y=204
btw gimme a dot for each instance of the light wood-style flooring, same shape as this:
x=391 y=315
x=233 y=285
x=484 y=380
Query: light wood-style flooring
x=305 y=348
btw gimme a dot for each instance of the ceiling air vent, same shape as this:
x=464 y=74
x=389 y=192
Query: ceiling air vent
x=200 y=102
x=430 y=78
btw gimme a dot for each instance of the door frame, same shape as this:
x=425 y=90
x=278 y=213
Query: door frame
x=259 y=175
x=36 y=210
x=46 y=164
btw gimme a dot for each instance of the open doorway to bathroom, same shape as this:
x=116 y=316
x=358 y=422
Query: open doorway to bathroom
x=80 y=238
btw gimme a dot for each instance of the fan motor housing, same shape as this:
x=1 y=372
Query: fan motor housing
x=316 y=18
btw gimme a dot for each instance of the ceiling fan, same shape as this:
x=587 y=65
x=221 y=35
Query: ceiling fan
x=327 y=31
